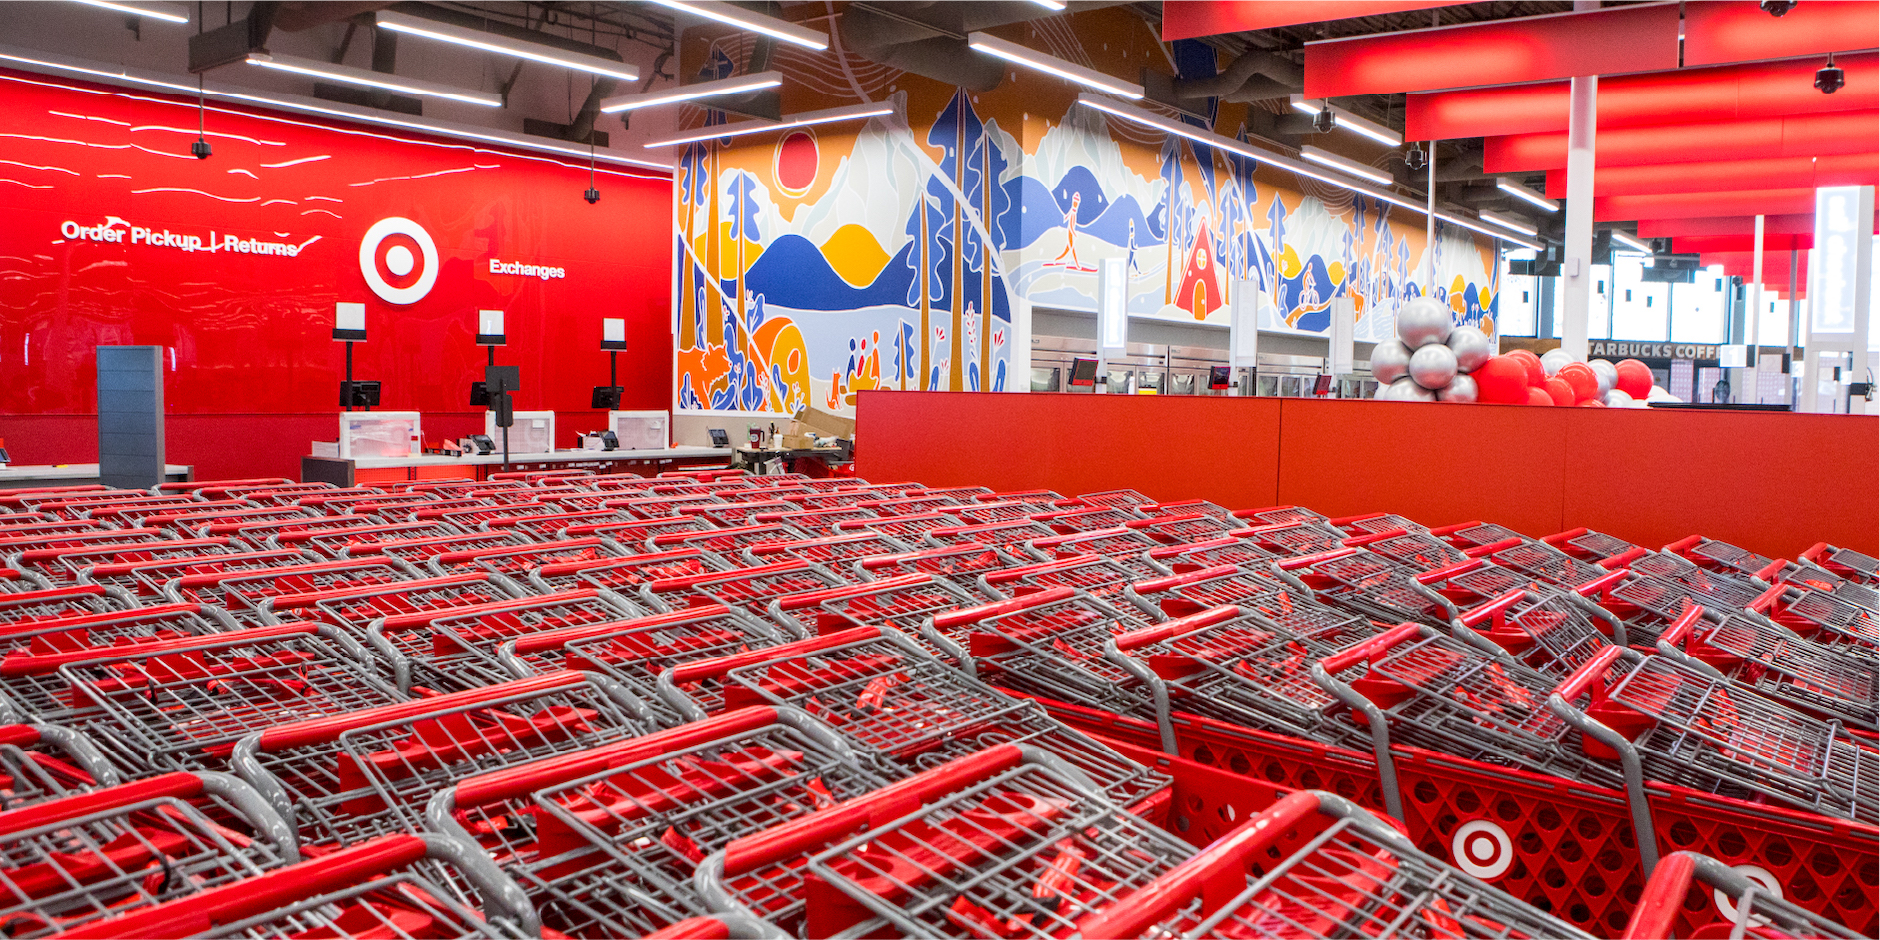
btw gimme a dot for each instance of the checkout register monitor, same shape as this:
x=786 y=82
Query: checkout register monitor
x=1220 y=377
x=1083 y=373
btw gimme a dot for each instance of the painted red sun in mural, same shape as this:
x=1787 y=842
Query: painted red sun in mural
x=796 y=162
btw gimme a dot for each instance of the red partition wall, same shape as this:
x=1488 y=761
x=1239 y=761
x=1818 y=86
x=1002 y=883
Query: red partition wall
x=1773 y=483
x=1169 y=448
x=114 y=234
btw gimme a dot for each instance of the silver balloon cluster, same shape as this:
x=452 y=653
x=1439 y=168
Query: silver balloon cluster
x=1431 y=358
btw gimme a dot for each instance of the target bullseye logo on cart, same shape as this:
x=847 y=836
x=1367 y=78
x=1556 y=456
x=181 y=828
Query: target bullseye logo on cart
x=1482 y=849
x=399 y=260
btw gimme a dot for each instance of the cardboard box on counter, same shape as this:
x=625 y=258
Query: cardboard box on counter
x=811 y=422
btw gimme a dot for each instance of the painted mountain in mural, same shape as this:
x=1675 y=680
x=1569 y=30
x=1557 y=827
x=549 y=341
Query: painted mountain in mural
x=792 y=272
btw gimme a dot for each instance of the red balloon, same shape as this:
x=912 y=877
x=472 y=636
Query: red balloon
x=1502 y=380
x=1592 y=403
x=1635 y=378
x=1559 y=391
x=1536 y=375
x=1539 y=397
x=1581 y=378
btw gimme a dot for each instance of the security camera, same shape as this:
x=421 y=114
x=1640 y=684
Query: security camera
x=592 y=196
x=1777 y=7
x=1324 y=121
x=1830 y=78
x=1414 y=158
x=202 y=151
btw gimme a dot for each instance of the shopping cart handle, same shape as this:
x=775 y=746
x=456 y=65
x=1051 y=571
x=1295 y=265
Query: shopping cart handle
x=309 y=598
x=812 y=598
x=717 y=668
x=1255 y=513
x=181 y=785
x=1769 y=571
x=1477 y=551
x=81 y=621
x=1475 y=616
x=693 y=580
x=452 y=558
x=1583 y=678
x=199 y=914
x=423 y=618
x=1053 y=541
x=1307 y=561
x=1814 y=553
x=1215 y=875
x=1046 y=567
x=562 y=569
x=1561 y=538
x=1441 y=531
x=1625 y=558
x=806 y=833
x=1766 y=601
x=328 y=728
x=1345 y=659
x=953 y=619
x=50 y=594
x=1681 y=629
x=1602 y=583
x=1359 y=541
x=1446 y=572
x=1658 y=907
x=1343 y=521
x=1165 y=520
x=1143 y=636
x=1170 y=551
x=1156 y=585
x=1684 y=544
x=22 y=665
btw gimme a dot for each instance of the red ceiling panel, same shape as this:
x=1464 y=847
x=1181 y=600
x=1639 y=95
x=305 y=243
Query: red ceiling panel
x=1802 y=224
x=1639 y=38
x=1775 y=268
x=1689 y=205
x=1723 y=93
x=1738 y=31
x=1853 y=169
x=1695 y=244
x=1805 y=135
x=1188 y=19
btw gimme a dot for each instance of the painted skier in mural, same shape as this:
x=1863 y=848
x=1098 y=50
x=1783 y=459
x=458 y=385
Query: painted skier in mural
x=1070 y=235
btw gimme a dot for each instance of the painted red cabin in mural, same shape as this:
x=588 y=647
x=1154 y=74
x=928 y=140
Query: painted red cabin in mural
x=1200 y=292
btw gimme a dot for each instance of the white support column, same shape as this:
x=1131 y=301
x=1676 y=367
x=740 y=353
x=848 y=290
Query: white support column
x=1576 y=282
x=1744 y=386
x=1018 y=377
x=1112 y=316
x=1429 y=231
x=1840 y=275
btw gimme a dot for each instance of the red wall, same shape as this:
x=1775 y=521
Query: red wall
x=253 y=371
x=1774 y=483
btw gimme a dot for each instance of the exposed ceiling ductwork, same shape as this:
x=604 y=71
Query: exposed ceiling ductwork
x=1256 y=75
x=929 y=39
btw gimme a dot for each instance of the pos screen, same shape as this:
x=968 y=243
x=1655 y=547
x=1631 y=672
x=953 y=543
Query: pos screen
x=1083 y=373
x=1220 y=377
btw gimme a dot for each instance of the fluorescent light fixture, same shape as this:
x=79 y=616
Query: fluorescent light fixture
x=1050 y=4
x=503 y=45
x=1527 y=195
x=1346 y=165
x=723 y=86
x=1630 y=242
x=1351 y=122
x=1013 y=52
x=755 y=22
x=45 y=64
x=740 y=128
x=370 y=79
x=155 y=13
x=1171 y=127
x=1147 y=119
x=1512 y=223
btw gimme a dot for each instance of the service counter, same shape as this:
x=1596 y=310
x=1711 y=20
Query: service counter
x=26 y=476
x=341 y=471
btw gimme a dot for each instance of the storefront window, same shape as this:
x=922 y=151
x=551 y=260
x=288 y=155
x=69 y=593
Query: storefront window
x=1697 y=309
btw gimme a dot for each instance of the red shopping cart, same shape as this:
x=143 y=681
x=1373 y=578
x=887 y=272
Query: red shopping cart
x=961 y=563
x=751 y=589
x=344 y=543
x=1376 y=523
x=518 y=561
x=1829 y=682
x=912 y=504
x=453 y=648
x=1120 y=542
x=346 y=778
x=486 y=509
x=909 y=528
x=1005 y=510
x=1295 y=539
x=1008 y=536
x=897 y=704
x=1182 y=507
x=333 y=505
x=80 y=859
x=354 y=609
x=662 y=507
x=1199 y=589
x=1368 y=584
x=146 y=579
x=133 y=513
x=608 y=841
x=1106 y=578
x=1588 y=545
x=1117 y=499
x=389 y=887
x=1085 y=519
x=726 y=543
x=1756 y=905
x=106 y=629
x=625 y=574
x=244 y=592
x=816 y=500
x=539 y=477
x=68 y=565
x=548 y=526
x=736 y=513
x=266 y=494
x=46 y=762
x=1317 y=865
x=196 y=524
x=1277 y=515
x=15 y=528
x=1845 y=562
x=18 y=543
x=905 y=602
x=1183 y=528
x=195 y=486
x=1821 y=616
x=104 y=505
x=964 y=494
x=77 y=600
x=836 y=551
x=635 y=534
x=1228 y=549
x=1047 y=643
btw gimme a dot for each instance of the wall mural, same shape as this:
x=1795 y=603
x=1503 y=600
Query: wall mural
x=829 y=260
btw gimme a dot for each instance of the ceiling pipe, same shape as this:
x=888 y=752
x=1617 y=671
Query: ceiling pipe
x=1253 y=76
x=897 y=42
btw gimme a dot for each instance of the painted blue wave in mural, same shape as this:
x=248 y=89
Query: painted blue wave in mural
x=1029 y=209
x=793 y=273
x=1311 y=288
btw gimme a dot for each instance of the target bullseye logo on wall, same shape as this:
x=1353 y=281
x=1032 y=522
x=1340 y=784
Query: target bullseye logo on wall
x=399 y=260
x=1482 y=849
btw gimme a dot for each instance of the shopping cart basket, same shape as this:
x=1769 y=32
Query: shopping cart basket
x=1756 y=906
x=961 y=563
x=329 y=505
x=344 y=543
x=386 y=888
x=404 y=507
x=607 y=841
x=1277 y=515
x=1411 y=550
x=93 y=631
x=80 y=859
x=74 y=601
x=41 y=543
x=418 y=552
x=1715 y=589
x=1695 y=729
x=1009 y=510
x=1540 y=561
x=1116 y=499
x=1048 y=643
x=138 y=514
x=547 y=526
x=517 y=561
x=1183 y=507
x=244 y=592
x=1648 y=605
x=345 y=778
x=905 y=602
x=67 y=565
x=1008 y=842
x=448 y=649
x=147 y=580
x=910 y=528
x=1294 y=539
x=1820 y=616
x=1553 y=631
x=25 y=498
x=662 y=507
x=817 y=522
x=1721 y=557
x=897 y=704
x=196 y=524
x=836 y=551
x=45 y=762
x=735 y=513
x=626 y=574
x=1828 y=682
x=1845 y=562
x=18 y=529
x=912 y=504
x=1120 y=542
x=818 y=500
x=1226 y=549
x=751 y=589
x=1183 y=528
x=726 y=543
x=1375 y=523
x=105 y=505
x=214 y=486
x=183 y=703
x=1317 y=865
x=964 y=494
x=1082 y=519
x=1199 y=589
x=636 y=533
x=356 y=608
x=259 y=534
x=1368 y=584
x=1588 y=545
x=1008 y=536
x=540 y=477
x=1095 y=574
x=265 y=494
